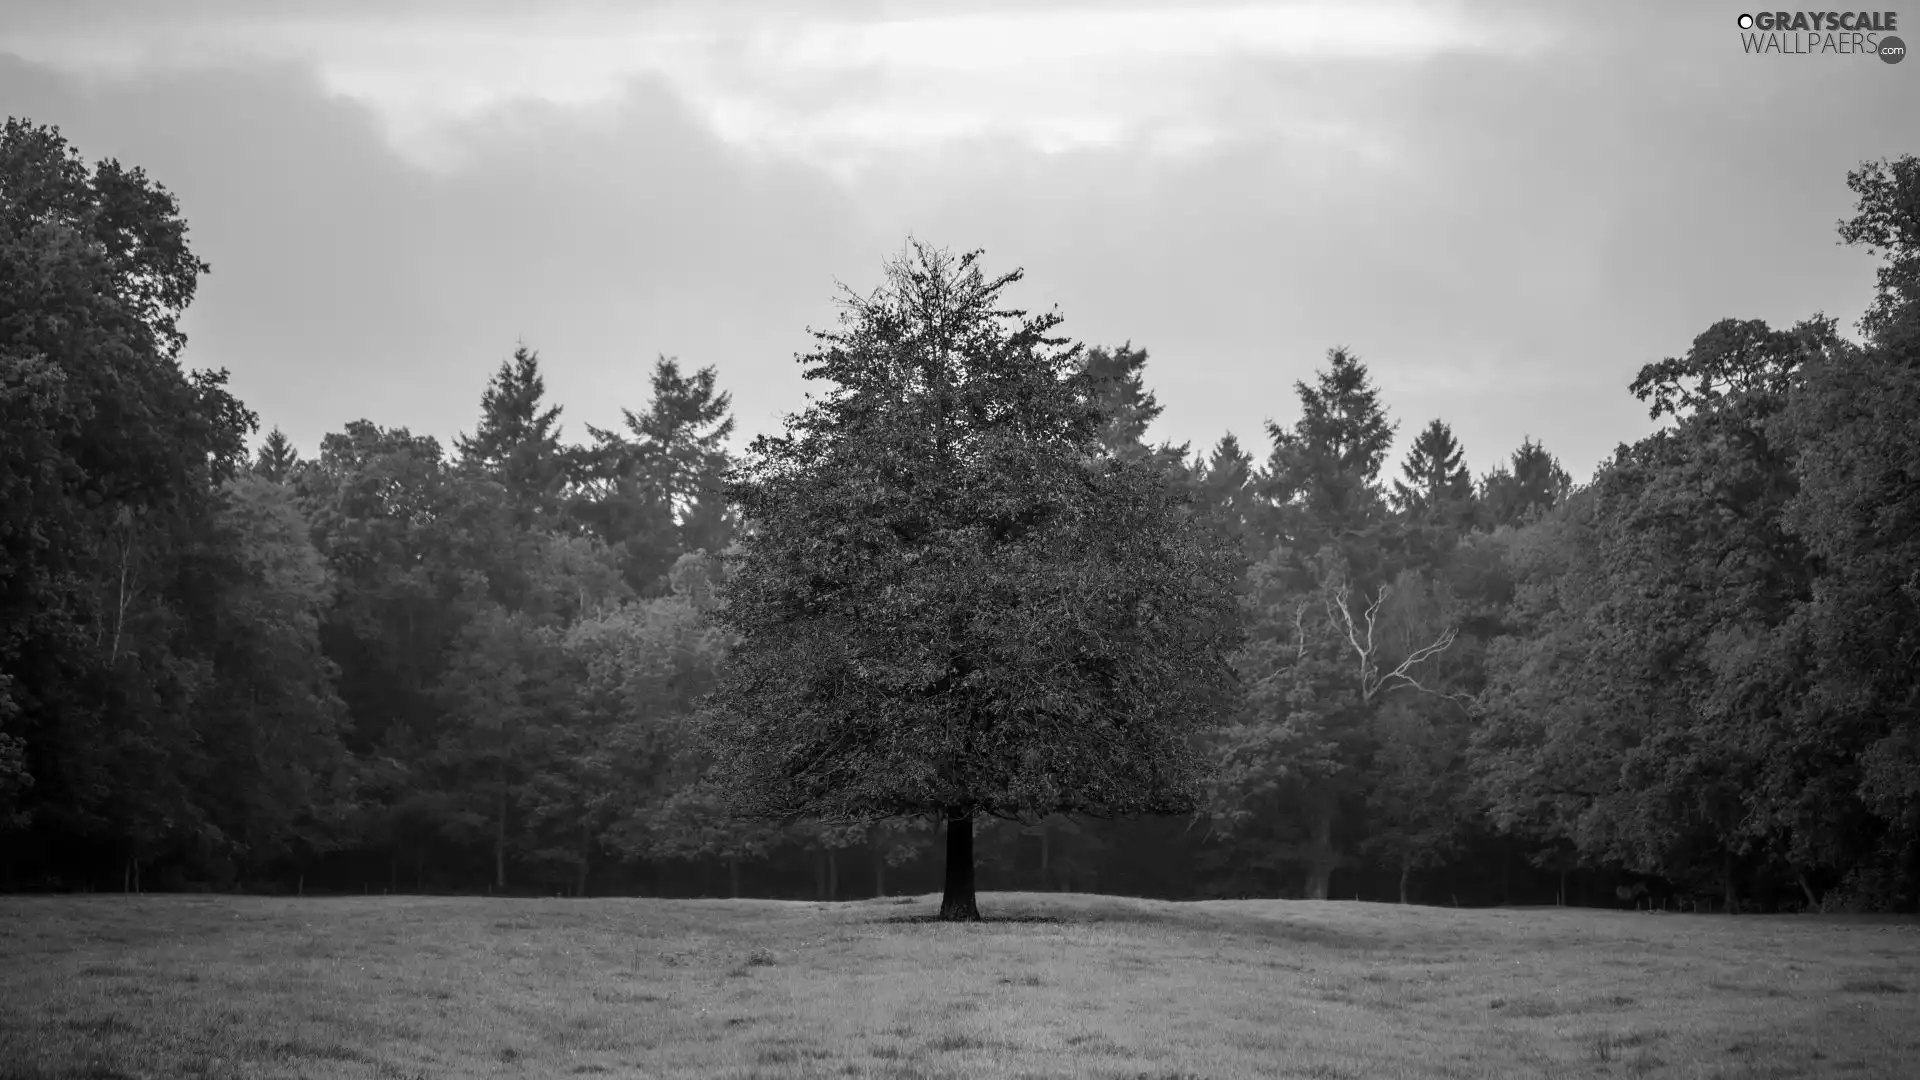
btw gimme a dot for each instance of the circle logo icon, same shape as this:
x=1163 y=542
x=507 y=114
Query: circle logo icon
x=1892 y=50
x=1746 y=22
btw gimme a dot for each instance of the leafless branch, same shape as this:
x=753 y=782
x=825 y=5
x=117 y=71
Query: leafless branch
x=1365 y=649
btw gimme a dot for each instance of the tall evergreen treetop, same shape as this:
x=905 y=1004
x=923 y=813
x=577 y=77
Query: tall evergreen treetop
x=517 y=441
x=1533 y=482
x=276 y=459
x=1321 y=484
x=1328 y=463
x=676 y=445
x=1117 y=378
x=1434 y=480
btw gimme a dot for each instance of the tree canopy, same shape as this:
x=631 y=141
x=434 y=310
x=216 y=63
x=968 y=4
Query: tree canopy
x=951 y=598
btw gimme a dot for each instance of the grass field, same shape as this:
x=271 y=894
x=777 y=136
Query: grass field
x=1055 y=986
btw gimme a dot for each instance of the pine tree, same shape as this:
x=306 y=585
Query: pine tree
x=1435 y=495
x=276 y=459
x=1324 y=471
x=517 y=442
x=656 y=490
x=1120 y=392
x=1534 y=482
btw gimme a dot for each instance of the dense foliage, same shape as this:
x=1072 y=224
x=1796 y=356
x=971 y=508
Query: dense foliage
x=950 y=600
x=959 y=589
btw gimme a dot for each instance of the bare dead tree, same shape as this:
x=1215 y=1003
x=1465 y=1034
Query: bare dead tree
x=1372 y=679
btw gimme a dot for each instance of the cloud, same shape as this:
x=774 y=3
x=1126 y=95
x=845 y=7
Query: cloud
x=834 y=90
x=1504 y=232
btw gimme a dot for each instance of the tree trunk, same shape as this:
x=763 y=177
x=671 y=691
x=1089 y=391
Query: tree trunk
x=1320 y=853
x=1506 y=873
x=393 y=873
x=733 y=875
x=1560 y=898
x=833 y=875
x=879 y=872
x=1813 y=902
x=126 y=877
x=300 y=884
x=500 y=835
x=120 y=613
x=820 y=875
x=586 y=860
x=1727 y=886
x=1046 y=870
x=958 y=904
x=1406 y=871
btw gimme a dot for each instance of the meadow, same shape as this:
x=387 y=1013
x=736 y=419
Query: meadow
x=108 y=987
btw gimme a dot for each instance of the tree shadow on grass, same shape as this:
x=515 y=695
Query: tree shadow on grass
x=1212 y=923
x=995 y=919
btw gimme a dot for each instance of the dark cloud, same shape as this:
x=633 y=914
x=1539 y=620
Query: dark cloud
x=348 y=283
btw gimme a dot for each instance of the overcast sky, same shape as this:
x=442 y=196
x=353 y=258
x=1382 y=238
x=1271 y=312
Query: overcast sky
x=1504 y=209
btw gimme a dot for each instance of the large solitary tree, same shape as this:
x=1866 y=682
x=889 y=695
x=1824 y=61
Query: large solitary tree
x=950 y=599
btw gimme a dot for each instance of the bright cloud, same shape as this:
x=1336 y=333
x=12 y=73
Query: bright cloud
x=838 y=93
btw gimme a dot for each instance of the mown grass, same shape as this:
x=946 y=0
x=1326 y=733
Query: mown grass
x=108 y=987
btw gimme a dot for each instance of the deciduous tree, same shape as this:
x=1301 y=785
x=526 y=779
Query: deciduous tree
x=949 y=599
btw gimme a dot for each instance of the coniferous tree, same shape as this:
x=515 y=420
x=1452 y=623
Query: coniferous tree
x=1322 y=477
x=276 y=459
x=656 y=490
x=1533 y=482
x=1292 y=763
x=1118 y=386
x=1435 y=488
x=517 y=439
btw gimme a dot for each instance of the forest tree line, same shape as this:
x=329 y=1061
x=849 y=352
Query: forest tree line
x=402 y=665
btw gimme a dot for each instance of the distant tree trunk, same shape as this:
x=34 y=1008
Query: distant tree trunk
x=300 y=884
x=1728 y=887
x=1046 y=870
x=1320 y=854
x=1560 y=898
x=1506 y=873
x=879 y=871
x=126 y=877
x=500 y=833
x=833 y=874
x=733 y=875
x=958 y=904
x=820 y=875
x=586 y=861
x=393 y=873
x=1406 y=871
x=1813 y=902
